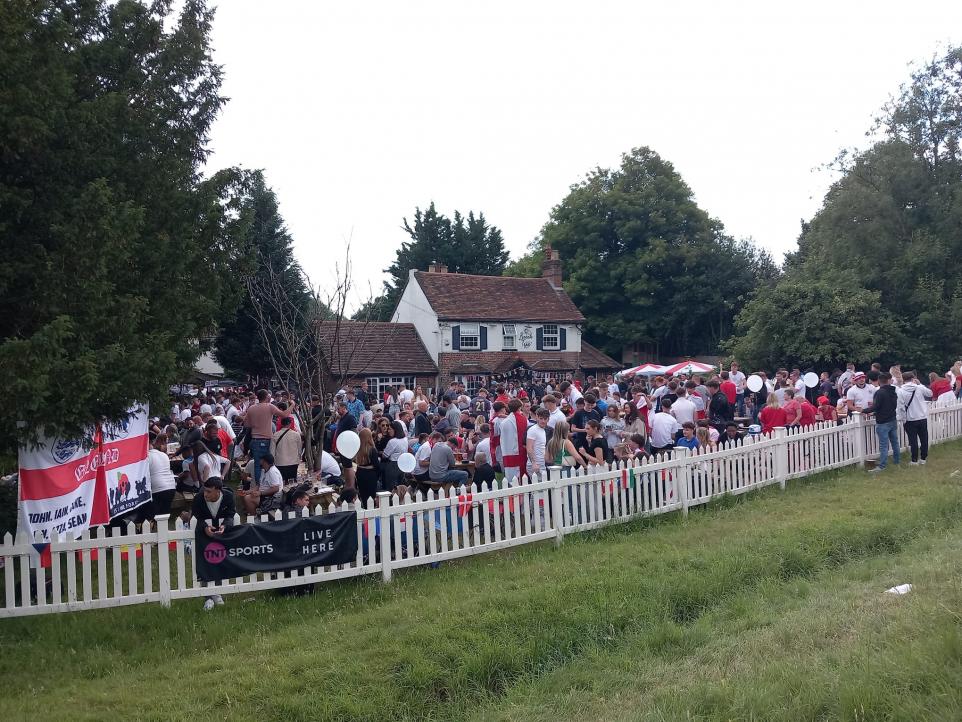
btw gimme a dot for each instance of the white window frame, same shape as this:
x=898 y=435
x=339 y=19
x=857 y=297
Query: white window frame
x=472 y=382
x=470 y=333
x=554 y=333
x=508 y=331
x=377 y=384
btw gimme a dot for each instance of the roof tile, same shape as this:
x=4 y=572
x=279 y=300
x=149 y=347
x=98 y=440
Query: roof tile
x=369 y=348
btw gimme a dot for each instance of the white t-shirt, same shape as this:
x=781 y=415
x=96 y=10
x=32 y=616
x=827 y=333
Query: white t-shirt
x=737 y=378
x=185 y=414
x=206 y=409
x=861 y=397
x=484 y=447
x=405 y=397
x=161 y=477
x=208 y=466
x=573 y=395
x=269 y=478
x=684 y=410
x=663 y=429
x=329 y=465
x=613 y=389
x=223 y=423
x=556 y=416
x=537 y=434
x=424 y=454
x=800 y=388
x=394 y=448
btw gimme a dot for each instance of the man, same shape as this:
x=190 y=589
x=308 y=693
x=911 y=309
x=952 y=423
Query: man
x=809 y=413
x=535 y=442
x=570 y=392
x=422 y=457
x=885 y=404
x=514 y=428
x=355 y=407
x=484 y=445
x=719 y=410
x=330 y=470
x=500 y=411
x=613 y=388
x=913 y=397
x=259 y=419
x=269 y=492
x=664 y=428
x=422 y=424
x=728 y=388
x=345 y=422
x=211 y=438
x=441 y=467
x=555 y=414
x=701 y=389
x=362 y=395
x=845 y=380
x=659 y=390
x=738 y=378
x=214 y=511
x=792 y=408
x=859 y=396
x=484 y=473
x=286 y=447
x=480 y=406
x=452 y=414
x=732 y=436
x=684 y=408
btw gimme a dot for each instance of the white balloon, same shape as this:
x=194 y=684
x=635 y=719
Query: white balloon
x=754 y=383
x=406 y=463
x=810 y=379
x=348 y=443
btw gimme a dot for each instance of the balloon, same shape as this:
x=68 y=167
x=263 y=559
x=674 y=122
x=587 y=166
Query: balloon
x=810 y=379
x=754 y=383
x=406 y=463
x=348 y=443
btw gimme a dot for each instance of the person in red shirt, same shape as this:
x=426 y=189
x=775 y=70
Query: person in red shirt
x=502 y=396
x=771 y=415
x=727 y=387
x=808 y=412
x=826 y=412
x=792 y=408
x=938 y=385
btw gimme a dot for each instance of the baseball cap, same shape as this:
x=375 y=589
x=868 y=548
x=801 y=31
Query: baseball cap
x=823 y=399
x=858 y=376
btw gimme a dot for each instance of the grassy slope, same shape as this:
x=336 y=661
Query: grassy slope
x=767 y=606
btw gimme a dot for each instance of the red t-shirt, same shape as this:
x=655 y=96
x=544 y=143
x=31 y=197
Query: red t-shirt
x=791 y=409
x=771 y=417
x=728 y=388
x=939 y=387
x=828 y=412
x=808 y=414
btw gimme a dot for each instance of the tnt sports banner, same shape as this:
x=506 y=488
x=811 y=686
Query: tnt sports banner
x=67 y=485
x=275 y=546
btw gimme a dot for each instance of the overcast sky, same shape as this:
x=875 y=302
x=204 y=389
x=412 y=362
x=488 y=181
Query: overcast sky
x=358 y=112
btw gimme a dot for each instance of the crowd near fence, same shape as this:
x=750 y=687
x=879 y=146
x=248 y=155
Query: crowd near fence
x=155 y=563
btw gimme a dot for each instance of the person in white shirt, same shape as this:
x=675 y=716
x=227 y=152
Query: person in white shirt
x=664 y=427
x=206 y=464
x=423 y=456
x=570 y=392
x=684 y=409
x=913 y=402
x=223 y=423
x=484 y=446
x=860 y=395
x=613 y=388
x=185 y=413
x=737 y=378
x=270 y=489
x=550 y=402
x=405 y=395
x=535 y=441
x=163 y=485
x=329 y=466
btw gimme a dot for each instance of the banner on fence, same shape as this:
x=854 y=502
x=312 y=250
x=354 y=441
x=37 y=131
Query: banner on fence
x=67 y=485
x=276 y=546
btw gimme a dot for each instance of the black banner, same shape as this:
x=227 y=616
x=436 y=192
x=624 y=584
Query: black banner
x=275 y=546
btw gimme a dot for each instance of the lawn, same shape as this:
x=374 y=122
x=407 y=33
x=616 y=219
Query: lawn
x=768 y=606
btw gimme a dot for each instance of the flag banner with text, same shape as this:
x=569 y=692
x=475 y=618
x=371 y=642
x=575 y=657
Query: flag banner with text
x=67 y=485
x=276 y=546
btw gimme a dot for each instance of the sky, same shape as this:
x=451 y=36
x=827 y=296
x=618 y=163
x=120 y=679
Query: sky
x=360 y=112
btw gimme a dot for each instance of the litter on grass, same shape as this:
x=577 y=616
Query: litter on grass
x=954 y=473
x=900 y=589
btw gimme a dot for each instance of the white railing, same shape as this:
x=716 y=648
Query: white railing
x=114 y=567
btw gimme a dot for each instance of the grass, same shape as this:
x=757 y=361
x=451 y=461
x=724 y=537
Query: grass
x=768 y=606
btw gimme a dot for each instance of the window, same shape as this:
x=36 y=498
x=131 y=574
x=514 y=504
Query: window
x=508 y=339
x=552 y=340
x=472 y=382
x=377 y=385
x=470 y=336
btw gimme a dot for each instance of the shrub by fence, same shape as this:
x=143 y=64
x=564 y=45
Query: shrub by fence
x=113 y=566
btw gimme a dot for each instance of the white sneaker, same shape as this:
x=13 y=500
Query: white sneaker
x=208 y=604
x=218 y=600
x=913 y=463
x=876 y=470
x=922 y=462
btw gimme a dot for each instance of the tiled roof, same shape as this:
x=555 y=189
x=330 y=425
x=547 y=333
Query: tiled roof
x=592 y=358
x=369 y=348
x=463 y=297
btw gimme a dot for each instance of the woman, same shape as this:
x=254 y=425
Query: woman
x=419 y=394
x=613 y=427
x=704 y=440
x=206 y=464
x=368 y=467
x=772 y=415
x=560 y=451
x=397 y=445
x=391 y=402
x=595 y=450
x=383 y=434
x=163 y=485
x=634 y=423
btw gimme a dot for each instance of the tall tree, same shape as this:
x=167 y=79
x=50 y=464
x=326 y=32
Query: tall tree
x=891 y=227
x=645 y=264
x=239 y=346
x=118 y=254
x=463 y=244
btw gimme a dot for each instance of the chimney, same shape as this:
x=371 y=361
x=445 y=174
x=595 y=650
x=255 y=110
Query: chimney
x=551 y=267
x=437 y=268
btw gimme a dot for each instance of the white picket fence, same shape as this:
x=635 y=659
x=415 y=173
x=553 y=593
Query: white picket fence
x=114 y=567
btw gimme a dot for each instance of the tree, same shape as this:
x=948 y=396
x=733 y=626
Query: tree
x=811 y=322
x=118 y=254
x=464 y=245
x=645 y=264
x=239 y=347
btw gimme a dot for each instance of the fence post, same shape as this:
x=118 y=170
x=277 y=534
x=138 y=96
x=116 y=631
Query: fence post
x=683 y=476
x=163 y=558
x=557 y=516
x=781 y=455
x=384 y=515
x=861 y=452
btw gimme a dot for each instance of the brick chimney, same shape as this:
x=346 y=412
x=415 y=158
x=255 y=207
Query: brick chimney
x=551 y=267
x=437 y=268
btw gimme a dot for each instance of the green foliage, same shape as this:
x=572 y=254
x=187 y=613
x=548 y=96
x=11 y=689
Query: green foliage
x=463 y=244
x=645 y=264
x=239 y=347
x=118 y=256
x=890 y=229
x=529 y=265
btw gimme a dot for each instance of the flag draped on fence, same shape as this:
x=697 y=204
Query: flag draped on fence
x=67 y=485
